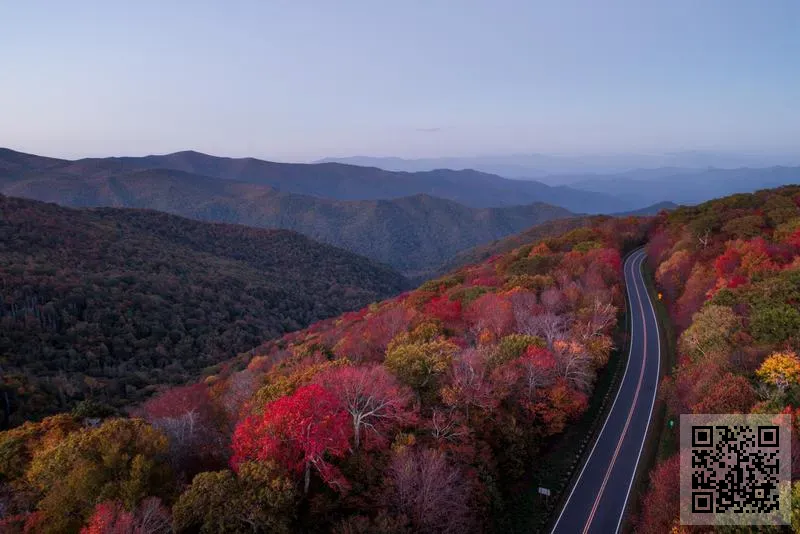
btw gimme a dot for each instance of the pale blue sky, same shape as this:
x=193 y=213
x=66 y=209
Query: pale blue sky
x=303 y=79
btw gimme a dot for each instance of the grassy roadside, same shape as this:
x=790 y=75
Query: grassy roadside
x=661 y=441
x=526 y=511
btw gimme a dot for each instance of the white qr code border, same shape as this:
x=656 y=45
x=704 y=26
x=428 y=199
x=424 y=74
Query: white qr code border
x=708 y=463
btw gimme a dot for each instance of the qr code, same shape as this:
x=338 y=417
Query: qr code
x=735 y=469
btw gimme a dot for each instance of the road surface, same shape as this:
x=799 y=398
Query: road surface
x=598 y=499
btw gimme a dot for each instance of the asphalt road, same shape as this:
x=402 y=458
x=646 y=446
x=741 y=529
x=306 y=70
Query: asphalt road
x=598 y=499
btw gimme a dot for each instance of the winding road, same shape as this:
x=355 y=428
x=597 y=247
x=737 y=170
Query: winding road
x=600 y=495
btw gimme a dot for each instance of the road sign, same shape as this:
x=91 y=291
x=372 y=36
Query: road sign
x=544 y=491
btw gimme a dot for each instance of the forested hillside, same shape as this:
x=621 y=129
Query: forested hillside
x=415 y=234
x=416 y=414
x=729 y=271
x=107 y=304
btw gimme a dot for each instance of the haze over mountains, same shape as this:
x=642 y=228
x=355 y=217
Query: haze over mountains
x=413 y=221
x=340 y=181
x=557 y=169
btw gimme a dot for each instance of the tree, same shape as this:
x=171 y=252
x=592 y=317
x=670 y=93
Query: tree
x=110 y=517
x=298 y=431
x=561 y=404
x=780 y=369
x=419 y=364
x=523 y=305
x=700 y=282
x=186 y=416
x=424 y=487
x=553 y=300
x=672 y=273
x=774 y=323
x=491 y=313
x=512 y=347
x=372 y=397
x=574 y=364
x=549 y=326
x=729 y=394
x=745 y=227
x=122 y=459
x=444 y=309
x=711 y=331
x=256 y=499
x=660 y=510
x=595 y=319
x=238 y=388
x=539 y=369
x=469 y=385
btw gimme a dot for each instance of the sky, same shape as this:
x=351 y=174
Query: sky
x=298 y=80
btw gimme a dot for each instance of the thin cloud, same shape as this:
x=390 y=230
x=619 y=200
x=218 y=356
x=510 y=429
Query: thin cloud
x=429 y=130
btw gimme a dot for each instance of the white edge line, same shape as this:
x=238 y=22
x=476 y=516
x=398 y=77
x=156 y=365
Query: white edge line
x=619 y=389
x=652 y=404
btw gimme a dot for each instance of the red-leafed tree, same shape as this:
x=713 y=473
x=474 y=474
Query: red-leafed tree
x=608 y=262
x=444 y=309
x=728 y=394
x=372 y=396
x=672 y=273
x=186 y=416
x=660 y=510
x=491 y=313
x=538 y=369
x=299 y=432
x=700 y=282
x=110 y=517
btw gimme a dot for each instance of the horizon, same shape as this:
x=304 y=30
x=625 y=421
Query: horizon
x=345 y=159
x=417 y=80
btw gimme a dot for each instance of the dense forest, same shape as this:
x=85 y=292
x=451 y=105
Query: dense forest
x=416 y=414
x=729 y=271
x=109 y=304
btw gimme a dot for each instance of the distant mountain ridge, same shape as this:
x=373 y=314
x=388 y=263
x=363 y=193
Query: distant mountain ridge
x=548 y=167
x=689 y=187
x=413 y=234
x=338 y=181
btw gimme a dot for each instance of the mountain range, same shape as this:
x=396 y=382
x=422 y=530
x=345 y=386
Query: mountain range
x=413 y=234
x=328 y=180
x=686 y=186
x=412 y=221
x=550 y=167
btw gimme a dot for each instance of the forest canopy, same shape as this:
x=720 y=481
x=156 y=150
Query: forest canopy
x=108 y=304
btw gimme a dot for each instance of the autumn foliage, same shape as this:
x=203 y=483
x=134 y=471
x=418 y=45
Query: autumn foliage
x=729 y=270
x=415 y=414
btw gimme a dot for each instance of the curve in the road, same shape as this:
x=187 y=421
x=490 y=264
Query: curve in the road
x=600 y=494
